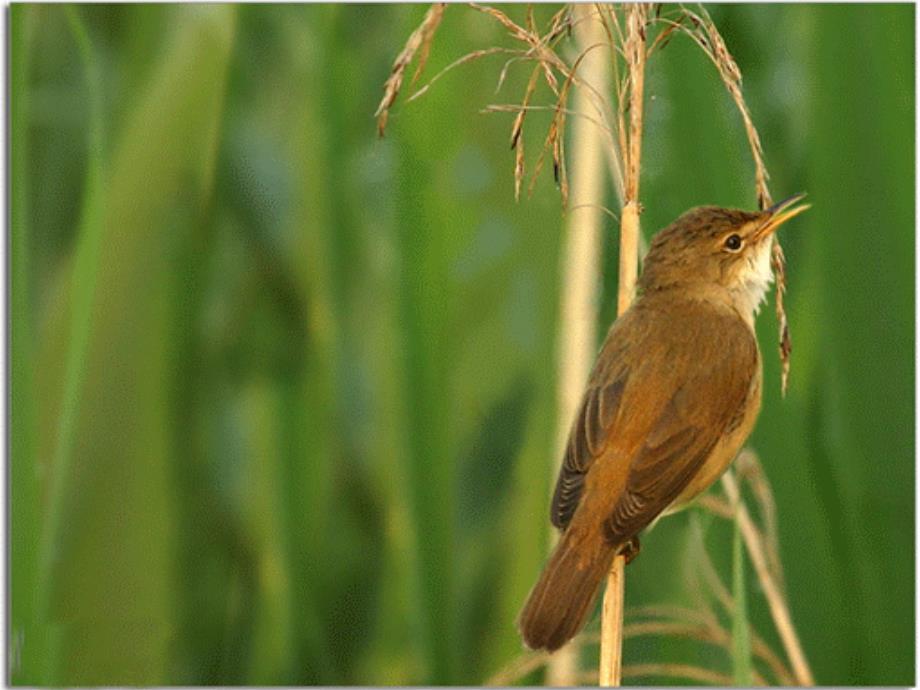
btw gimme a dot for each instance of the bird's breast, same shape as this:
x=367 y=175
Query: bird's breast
x=728 y=446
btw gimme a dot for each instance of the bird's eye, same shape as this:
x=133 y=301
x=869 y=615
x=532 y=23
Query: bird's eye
x=733 y=243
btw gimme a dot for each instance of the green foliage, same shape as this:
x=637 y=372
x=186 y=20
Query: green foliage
x=283 y=397
x=741 y=632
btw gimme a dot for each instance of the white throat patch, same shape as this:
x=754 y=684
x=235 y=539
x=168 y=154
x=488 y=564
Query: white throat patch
x=756 y=276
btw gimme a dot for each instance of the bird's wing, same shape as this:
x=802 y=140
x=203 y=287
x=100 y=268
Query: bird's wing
x=590 y=431
x=707 y=350
x=587 y=440
x=718 y=366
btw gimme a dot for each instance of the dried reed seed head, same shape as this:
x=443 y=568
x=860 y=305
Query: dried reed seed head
x=518 y=169
x=420 y=38
x=517 y=127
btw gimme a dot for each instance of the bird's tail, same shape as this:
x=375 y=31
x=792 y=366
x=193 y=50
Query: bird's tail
x=562 y=599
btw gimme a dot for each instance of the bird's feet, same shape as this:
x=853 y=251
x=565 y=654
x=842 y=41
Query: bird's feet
x=630 y=550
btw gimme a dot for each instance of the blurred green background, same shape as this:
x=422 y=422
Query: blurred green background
x=283 y=402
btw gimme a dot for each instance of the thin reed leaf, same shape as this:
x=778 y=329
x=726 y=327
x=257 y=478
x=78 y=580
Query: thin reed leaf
x=310 y=406
x=25 y=634
x=751 y=472
x=711 y=579
x=742 y=669
x=779 y=608
x=82 y=295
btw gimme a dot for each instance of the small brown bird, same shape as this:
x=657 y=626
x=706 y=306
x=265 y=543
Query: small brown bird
x=673 y=395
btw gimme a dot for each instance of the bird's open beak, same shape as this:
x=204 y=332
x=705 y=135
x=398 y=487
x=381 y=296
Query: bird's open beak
x=779 y=213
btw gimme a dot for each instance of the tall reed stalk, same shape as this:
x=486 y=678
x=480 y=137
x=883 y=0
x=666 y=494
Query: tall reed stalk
x=634 y=49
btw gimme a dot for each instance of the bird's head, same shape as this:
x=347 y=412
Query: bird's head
x=711 y=247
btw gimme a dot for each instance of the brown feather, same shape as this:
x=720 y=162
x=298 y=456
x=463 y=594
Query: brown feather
x=560 y=602
x=670 y=382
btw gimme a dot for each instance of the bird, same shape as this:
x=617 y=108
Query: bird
x=673 y=395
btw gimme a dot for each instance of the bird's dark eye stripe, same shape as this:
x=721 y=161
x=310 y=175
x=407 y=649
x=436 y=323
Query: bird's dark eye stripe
x=733 y=242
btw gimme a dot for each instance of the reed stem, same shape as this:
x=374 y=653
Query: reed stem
x=611 y=664
x=635 y=51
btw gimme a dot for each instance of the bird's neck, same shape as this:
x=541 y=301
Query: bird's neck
x=740 y=303
x=747 y=302
x=744 y=296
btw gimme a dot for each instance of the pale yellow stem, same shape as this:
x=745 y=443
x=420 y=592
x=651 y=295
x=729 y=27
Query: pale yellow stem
x=612 y=625
x=635 y=48
x=629 y=253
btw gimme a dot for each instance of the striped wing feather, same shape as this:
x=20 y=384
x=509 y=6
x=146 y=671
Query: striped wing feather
x=701 y=380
